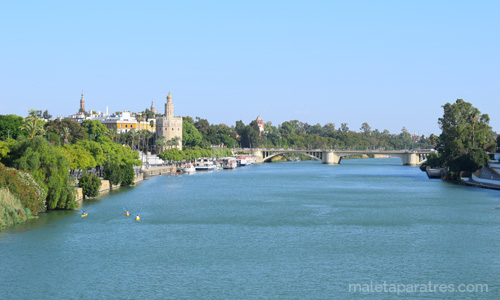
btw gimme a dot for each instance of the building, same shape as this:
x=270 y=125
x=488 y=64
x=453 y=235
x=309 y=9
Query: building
x=81 y=114
x=153 y=107
x=127 y=121
x=169 y=127
x=122 y=123
x=260 y=123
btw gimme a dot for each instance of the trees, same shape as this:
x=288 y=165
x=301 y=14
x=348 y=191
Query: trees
x=202 y=125
x=46 y=115
x=112 y=172
x=172 y=154
x=173 y=142
x=33 y=125
x=128 y=175
x=465 y=135
x=69 y=130
x=366 y=129
x=49 y=167
x=10 y=126
x=160 y=143
x=90 y=185
x=94 y=129
x=24 y=187
x=344 y=128
x=79 y=158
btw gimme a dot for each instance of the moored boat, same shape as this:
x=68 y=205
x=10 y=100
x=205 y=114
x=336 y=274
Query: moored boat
x=229 y=163
x=244 y=161
x=204 y=164
x=189 y=169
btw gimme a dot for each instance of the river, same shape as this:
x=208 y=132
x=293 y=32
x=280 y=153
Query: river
x=298 y=230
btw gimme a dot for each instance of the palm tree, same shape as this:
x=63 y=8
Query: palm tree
x=174 y=142
x=133 y=134
x=65 y=134
x=32 y=124
x=146 y=140
x=111 y=133
x=160 y=142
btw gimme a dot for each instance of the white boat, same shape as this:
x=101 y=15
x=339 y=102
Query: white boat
x=204 y=164
x=244 y=161
x=189 y=169
x=229 y=163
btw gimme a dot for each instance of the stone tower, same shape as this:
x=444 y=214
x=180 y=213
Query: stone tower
x=169 y=107
x=82 y=104
x=153 y=107
x=169 y=126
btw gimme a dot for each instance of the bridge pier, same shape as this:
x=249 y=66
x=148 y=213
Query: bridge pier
x=330 y=158
x=410 y=159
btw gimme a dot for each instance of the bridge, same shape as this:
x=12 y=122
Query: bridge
x=334 y=156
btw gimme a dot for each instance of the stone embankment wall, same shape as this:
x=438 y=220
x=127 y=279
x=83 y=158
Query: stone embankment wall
x=159 y=170
x=105 y=186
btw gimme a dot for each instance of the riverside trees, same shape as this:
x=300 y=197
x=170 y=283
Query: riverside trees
x=50 y=162
x=465 y=138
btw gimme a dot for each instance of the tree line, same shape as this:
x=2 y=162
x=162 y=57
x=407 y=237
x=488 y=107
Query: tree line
x=56 y=152
x=51 y=150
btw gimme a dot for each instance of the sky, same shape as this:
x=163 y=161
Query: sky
x=391 y=64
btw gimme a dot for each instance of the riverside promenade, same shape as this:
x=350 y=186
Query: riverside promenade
x=159 y=170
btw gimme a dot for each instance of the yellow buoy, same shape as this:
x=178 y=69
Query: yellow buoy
x=137 y=218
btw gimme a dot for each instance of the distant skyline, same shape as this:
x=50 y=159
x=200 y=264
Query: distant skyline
x=388 y=63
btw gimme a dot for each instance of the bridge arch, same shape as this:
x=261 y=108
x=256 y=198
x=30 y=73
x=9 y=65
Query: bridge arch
x=268 y=155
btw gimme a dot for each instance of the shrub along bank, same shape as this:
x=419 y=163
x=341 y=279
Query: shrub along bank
x=11 y=210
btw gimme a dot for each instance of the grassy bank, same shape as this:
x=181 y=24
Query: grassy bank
x=11 y=210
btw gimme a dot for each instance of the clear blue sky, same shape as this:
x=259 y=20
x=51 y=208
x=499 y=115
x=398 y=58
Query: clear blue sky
x=388 y=63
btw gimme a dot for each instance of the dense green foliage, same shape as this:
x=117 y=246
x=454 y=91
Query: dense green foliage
x=50 y=168
x=11 y=210
x=68 y=130
x=465 y=137
x=194 y=153
x=94 y=129
x=191 y=137
x=33 y=124
x=23 y=187
x=10 y=126
x=119 y=174
x=79 y=157
x=90 y=185
x=127 y=173
x=113 y=173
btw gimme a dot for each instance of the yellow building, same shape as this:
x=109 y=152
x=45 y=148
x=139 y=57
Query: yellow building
x=125 y=122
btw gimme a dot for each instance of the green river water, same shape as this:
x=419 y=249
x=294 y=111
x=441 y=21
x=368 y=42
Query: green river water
x=300 y=230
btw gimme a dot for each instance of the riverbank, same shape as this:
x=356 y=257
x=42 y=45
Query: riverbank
x=11 y=210
x=105 y=186
x=487 y=177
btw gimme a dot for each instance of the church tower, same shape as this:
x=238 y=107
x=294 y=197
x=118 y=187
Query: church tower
x=82 y=104
x=153 y=107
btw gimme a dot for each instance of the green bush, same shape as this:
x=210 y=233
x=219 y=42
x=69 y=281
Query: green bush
x=11 y=210
x=24 y=187
x=113 y=173
x=49 y=167
x=90 y=185
x=127 y=174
